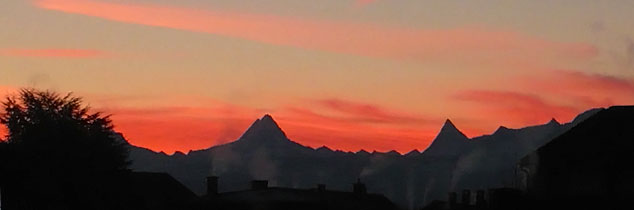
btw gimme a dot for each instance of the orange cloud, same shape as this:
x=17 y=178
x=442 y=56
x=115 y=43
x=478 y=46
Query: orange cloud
x=59 y=53
x=370 y=112
x=514 y=108
x=7 y=90
x=351 y=126
x=561 y=94
x=314 y=128
x=171 y=129
x=368 y=138
x=464 y=44
x=585 y=89
x=179 y=133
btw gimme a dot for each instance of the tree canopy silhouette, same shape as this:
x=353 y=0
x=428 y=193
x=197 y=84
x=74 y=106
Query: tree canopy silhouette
x=56 y=150
x=48 y=123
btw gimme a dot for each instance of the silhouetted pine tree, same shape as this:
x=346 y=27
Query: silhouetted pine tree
x=57 y=154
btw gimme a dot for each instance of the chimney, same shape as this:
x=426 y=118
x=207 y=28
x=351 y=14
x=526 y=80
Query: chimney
x=480 y=201
x=359 y=187
x=212 y=185
x=259 y=184
x=321 y=187
x=453 y=198
x=466 y=197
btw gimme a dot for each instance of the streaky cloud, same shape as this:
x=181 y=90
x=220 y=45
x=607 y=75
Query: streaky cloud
x=584 y=89
x=470 y=44
x=52 y=52
x=515 y=108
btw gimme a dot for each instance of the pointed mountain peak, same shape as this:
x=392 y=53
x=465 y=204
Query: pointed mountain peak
x=448 y=125
x=449 y=129
x=449 y=141
x=268 y=118
x=264 y=128
x=553 y=122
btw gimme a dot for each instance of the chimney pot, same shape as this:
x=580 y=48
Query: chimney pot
x=480 y=201
x=466 y=197
x=359 y=187
x=212 y=185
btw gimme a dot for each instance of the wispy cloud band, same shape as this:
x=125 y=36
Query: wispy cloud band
x=466 y=43
x=52 y=53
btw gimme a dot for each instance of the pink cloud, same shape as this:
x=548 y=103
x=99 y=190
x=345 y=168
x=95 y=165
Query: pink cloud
x=52 y=52
x=465 y=44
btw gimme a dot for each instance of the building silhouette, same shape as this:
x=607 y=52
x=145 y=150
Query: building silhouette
x=262 y=196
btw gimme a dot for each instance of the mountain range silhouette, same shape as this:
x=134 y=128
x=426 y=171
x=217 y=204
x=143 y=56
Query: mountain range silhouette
x=452 y=162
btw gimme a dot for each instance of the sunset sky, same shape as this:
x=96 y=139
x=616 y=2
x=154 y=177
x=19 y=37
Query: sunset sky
x=182 y=75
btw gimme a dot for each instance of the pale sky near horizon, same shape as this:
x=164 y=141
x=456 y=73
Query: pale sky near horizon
x=348 y=74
